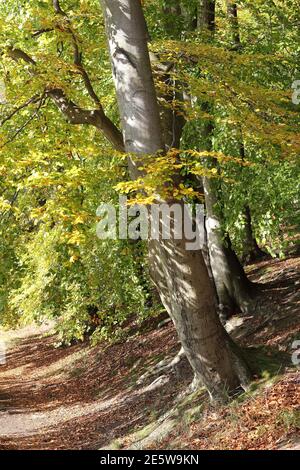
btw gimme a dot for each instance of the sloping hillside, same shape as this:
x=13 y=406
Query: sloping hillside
x=89 y=398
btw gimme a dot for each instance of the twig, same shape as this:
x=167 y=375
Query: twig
x=78 y=56
x=39 y=32
x=34 y=99
x=13 y=200
x=42 y=100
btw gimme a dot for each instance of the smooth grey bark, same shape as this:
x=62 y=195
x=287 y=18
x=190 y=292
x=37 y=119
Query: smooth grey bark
x=234 y=290
x=96 y=117
x=180 y=275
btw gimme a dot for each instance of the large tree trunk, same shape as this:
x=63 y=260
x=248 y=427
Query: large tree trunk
x=180 y=275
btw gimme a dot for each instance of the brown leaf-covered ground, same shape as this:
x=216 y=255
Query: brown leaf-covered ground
x=88 y=398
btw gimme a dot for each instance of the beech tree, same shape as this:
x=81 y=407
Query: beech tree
x=180 y=275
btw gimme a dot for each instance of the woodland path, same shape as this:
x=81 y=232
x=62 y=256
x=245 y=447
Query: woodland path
x=78 y=397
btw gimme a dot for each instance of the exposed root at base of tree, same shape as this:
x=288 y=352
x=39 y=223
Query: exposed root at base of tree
x=178 y=365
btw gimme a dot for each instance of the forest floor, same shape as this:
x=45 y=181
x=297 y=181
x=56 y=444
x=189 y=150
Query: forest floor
x=85 y=397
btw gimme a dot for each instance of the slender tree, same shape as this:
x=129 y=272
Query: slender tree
x=206 y=15
x=252 y=251
x=234 y=290
x=232 y=13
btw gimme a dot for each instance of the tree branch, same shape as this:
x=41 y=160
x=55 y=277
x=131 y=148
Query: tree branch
x=96 y=118
x=17 y=54
x=57 y=8
x=74 y=113
x=28 y=121
x=77 y=55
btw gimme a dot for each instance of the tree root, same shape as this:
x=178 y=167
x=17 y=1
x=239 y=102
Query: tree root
x=165 y=367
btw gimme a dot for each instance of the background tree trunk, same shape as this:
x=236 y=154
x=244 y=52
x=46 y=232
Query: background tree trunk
x=206 y=15
x=232 y=13
x=171 y=11
x=252 y=251
x=234 y=290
